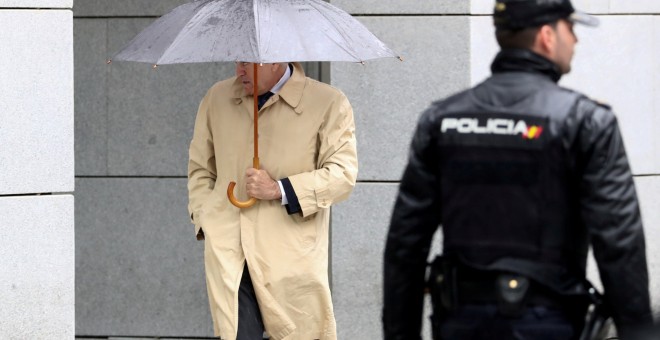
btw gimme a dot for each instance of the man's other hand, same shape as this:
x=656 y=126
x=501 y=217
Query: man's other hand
x=260 y=185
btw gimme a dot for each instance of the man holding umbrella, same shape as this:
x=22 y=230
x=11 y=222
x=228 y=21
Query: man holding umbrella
x=523 y=175
x=266 y=258
x=267 y=265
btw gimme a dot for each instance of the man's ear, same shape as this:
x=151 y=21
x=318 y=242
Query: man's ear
x=545 y=43
x=274 y=67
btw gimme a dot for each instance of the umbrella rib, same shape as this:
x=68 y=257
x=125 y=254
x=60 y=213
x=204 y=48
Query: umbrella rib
x=342 y=32
x=257 y=33
x=133 y=51
x=178 y=37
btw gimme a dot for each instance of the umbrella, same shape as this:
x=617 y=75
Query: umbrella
x=256 y=31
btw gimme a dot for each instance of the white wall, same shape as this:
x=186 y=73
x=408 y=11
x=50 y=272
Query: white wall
x=616 y=63
x=36 y=170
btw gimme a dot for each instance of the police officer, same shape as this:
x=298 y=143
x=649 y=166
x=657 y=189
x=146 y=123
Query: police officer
x=522 y=174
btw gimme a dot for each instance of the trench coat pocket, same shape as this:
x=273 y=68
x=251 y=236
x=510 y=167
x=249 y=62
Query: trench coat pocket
x=305 y=229
x=198 y=217
x=199 y=232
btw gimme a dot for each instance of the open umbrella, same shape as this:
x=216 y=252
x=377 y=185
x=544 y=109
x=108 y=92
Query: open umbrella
x=256 y=31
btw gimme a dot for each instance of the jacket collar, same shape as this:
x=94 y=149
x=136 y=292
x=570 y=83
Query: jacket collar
x=521 y=60
x=291 y=92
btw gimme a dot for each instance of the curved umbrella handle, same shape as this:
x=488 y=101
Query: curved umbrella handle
x=230 y=190
x=237 y=203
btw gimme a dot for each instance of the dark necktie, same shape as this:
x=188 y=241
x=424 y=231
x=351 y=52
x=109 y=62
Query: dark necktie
x=262 y=99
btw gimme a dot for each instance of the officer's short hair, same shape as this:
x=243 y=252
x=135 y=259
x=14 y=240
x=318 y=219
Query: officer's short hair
x=519 y=38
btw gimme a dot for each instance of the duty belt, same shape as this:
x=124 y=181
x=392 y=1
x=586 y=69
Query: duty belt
x=486 y=292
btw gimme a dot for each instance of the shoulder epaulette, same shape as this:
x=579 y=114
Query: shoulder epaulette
x=602 y=104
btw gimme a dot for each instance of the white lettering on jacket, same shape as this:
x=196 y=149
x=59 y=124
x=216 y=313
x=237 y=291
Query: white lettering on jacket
x=496 y=126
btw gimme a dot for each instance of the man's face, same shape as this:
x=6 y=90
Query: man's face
x=565 y=45
x=267 y=78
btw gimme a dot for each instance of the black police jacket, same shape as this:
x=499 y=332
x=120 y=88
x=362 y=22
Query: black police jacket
x=522 y=175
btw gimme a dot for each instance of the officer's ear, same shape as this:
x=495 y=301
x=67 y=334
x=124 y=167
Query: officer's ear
x=545 y=43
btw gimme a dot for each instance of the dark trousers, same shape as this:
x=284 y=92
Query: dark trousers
x=484 y=322
x=250 y=324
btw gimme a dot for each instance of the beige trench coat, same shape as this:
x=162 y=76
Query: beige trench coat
x=306 y=133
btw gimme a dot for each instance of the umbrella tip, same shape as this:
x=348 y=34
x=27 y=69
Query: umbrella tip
x=155 y=66
x=400 y=58
x=109 y=61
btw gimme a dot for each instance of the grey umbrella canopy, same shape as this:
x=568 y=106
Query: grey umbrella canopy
x=259 y=31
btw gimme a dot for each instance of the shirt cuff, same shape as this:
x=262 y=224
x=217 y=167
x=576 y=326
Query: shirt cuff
x=293 y=205
x=284 y=200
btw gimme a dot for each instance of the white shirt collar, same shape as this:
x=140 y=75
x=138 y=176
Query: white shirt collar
x=283 y=80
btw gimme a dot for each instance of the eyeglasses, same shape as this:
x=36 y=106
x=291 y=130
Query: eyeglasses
x=242 y=63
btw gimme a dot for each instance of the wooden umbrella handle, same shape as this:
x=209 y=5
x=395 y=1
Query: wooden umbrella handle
x=230 y=191
x=237 y=203
x=255 y=160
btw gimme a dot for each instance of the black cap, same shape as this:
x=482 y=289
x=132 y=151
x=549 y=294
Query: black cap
x=518 y=14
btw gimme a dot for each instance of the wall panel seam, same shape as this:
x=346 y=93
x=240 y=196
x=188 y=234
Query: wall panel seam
x=36 y=9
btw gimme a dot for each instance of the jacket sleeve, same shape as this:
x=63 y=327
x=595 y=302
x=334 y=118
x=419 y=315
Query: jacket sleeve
x=337 y=165
x=415 y=219
x=610 y=211
x=201 y=165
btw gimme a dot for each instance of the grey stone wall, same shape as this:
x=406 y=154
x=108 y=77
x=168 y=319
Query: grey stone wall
x=139 y=271
x=616 y=64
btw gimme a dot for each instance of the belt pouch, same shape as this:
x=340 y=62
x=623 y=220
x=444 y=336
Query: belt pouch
x=512 y=292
